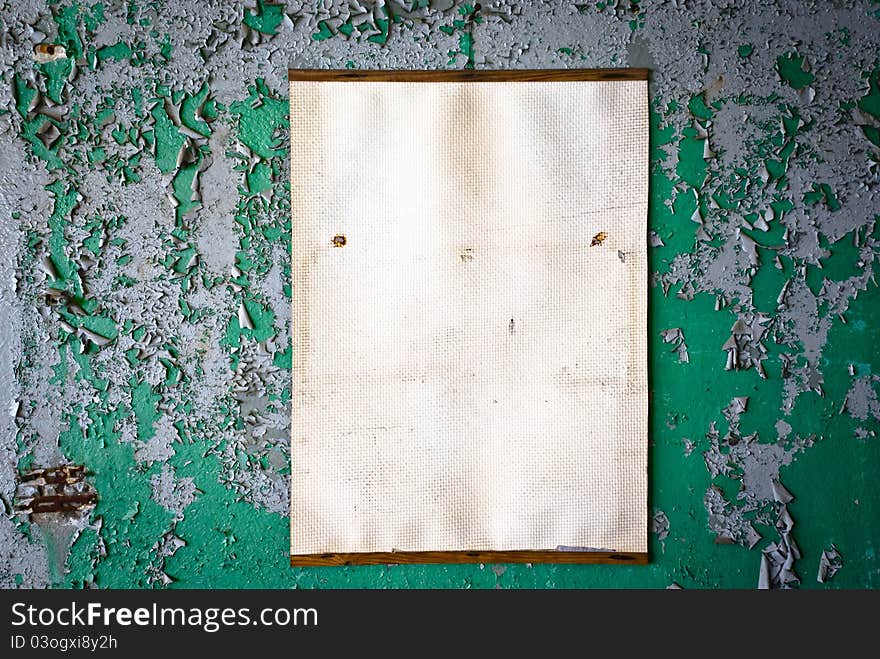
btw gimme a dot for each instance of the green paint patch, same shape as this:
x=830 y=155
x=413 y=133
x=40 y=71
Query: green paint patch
x=671 y=224
x=259 y=179
x=684 y=398
x=844 y=35
x=84 y=554
x=263 y=319
x=181 y=259
x=697 y=107
x=462 y=27
x=169 y=140
x=781 y=206
x=132 y=521
x=64 y=201
x=227 y=541
x=94 y=18
x=182 y=186
x=639 y=20
x=265 y=18
x=815 y=279
x=144 y=406
x=95 y=229
x=692 y=167
x=383 y=24
x=324 y=31
x=790 y=69
x=118 y=52
x=190 y=107
x=851 y=343
x=872 y=133
x=791 y=122
x=68 y=20
x=119 y=135
x=284 y=358
x=822 y=192
x=166 y=48
x=261 y=118
x=843 y=258
x=850 y=489
x=768 y=281
x=745 y=50
x=870 y=102
x=24 y=94
x=101 y=325
x=56 y=74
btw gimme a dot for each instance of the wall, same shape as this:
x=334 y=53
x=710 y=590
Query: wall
x=145 y=280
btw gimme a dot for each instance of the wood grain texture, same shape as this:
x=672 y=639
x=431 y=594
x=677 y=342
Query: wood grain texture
x=466 y=75
x=400 y=557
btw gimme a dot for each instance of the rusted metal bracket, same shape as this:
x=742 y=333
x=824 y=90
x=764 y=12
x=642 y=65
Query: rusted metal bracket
x=55 y=490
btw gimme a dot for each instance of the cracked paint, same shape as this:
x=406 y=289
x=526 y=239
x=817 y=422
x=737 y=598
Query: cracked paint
x=145 y=241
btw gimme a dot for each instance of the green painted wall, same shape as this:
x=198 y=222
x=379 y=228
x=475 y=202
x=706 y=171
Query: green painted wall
x=146 y=230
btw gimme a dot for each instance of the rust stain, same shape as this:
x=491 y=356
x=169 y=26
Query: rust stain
x=55 y=490
x=339 y=240
x=48 y=52
x=599 y=238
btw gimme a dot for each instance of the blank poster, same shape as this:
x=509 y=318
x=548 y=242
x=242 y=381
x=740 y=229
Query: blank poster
x=469 y=290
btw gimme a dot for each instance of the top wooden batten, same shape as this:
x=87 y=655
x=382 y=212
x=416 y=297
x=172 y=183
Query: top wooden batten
x=465 y=75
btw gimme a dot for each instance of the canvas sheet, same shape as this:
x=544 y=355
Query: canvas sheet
x=469 y=289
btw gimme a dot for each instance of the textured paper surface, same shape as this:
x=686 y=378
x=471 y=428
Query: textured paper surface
x=469 y=372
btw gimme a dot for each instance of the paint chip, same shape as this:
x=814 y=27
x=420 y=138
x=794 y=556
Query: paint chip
x=780 y=494
x=654 y=240
x=675 y=336
x=829 y=564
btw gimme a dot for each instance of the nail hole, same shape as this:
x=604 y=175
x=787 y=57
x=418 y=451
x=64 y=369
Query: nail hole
x=339 y=240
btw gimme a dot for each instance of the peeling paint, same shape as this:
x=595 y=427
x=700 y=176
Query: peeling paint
x=145 y=235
